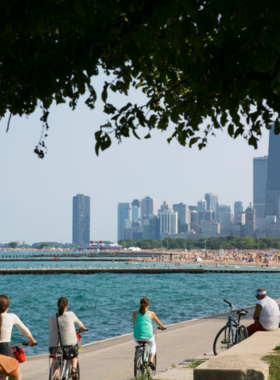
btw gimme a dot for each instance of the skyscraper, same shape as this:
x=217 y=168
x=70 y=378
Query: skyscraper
x=168 y=222
x=259 y=185
x=201 y=205
x=273 y=176
x=238 y=209
x=183 y=216
x=250 y=225
x=148 y=207
x=136 y=209
x=81 y=219
x=124 y=216
x=224 y=216
x=212 y=200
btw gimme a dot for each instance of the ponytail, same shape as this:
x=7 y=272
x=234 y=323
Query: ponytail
x=143 y=304
x=4 y=304
x=61 y=304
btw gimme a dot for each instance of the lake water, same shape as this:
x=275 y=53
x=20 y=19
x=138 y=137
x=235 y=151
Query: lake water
x=105 y=302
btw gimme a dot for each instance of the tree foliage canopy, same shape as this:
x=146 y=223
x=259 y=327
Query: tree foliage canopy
x=228 y=242
x=195 y=60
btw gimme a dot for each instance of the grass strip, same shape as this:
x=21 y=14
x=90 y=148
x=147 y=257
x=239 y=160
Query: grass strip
x=196 y=364
x=274 y=364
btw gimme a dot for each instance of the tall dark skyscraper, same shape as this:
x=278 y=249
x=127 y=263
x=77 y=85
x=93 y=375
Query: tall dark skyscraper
x=259 y=185
x=273 y=176
x=81 y=219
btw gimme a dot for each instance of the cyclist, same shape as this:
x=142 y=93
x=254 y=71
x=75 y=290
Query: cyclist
x=7 y=321
x=66 y=320
x=143 y=328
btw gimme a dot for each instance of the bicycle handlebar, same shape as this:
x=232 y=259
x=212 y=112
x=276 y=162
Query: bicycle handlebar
x=229 y=303
x=27 y=344
x=79 y=331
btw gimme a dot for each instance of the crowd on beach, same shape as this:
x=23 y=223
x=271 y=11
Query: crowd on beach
x=226 y=257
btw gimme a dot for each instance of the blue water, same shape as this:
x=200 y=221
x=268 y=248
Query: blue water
x=105 y=302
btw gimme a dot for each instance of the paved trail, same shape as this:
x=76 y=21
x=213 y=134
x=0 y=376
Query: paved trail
x=112 y=359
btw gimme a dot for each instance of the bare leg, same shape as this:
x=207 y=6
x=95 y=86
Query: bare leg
x=74 y=363
x=17 y=375
x=151 y=358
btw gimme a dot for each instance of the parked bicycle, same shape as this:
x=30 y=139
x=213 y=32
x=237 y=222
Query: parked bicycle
x=232 y=333
x=19 y=355
x=141 y=358
x=60 y=367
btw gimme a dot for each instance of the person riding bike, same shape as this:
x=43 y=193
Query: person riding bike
x=66 y=320
x=7 y=321
x=143 y=328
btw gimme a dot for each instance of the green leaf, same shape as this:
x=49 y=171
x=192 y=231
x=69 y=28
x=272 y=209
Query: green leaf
x=253 y=141
x=104 y=94
x=231 y=130
x=193 y=141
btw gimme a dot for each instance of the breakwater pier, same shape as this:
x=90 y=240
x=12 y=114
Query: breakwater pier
x=51 y=271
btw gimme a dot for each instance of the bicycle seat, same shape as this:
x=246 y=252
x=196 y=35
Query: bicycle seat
x=8 y=366
x=142 y=344
x=241 y=312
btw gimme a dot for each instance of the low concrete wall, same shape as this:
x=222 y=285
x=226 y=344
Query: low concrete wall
x=242 y=361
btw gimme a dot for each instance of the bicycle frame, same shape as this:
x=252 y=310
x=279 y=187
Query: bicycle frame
x=59 y=364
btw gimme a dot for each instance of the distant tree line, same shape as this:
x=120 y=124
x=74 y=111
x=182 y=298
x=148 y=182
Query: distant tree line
x=227 y=242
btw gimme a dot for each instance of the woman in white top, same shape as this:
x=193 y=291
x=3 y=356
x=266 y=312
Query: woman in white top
x=7 y=321
x=66 y=321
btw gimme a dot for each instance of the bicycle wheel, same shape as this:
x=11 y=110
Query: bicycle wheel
x=242 y=333
x=53 y=370
x=224 y=339
x=66 y=371
x=138 y=363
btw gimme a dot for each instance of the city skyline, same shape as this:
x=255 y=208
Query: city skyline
x=36 y=195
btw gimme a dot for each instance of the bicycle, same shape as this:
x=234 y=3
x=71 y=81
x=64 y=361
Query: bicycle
x=141 y=358
x=60 y=368
x=19 y=355
x=232 y=333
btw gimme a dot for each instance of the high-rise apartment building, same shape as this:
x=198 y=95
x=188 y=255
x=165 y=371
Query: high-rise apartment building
x=212 y=200
x=224 y=216
x=81 y=220
x=201 y=205
x=124 y=217
x=259 y=185
x=168 y=222
x=273 y=176
x=164 y=207
x=250 y=224
x=238 y=209
x=148 y=209
x=136 y=210
x=183 y=216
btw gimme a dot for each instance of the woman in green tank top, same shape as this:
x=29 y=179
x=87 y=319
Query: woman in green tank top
x=143 y=328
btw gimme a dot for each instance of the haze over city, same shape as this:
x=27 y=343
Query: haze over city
x=36 y=195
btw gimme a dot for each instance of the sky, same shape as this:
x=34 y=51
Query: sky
x=36 y=195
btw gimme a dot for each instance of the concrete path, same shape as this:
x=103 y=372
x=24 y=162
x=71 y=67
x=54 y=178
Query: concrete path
x=112 y=359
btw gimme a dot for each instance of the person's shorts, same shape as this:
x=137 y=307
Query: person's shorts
x=5 y=349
